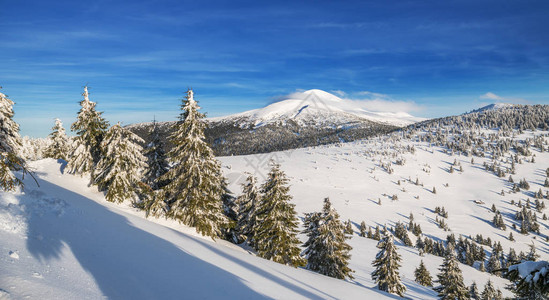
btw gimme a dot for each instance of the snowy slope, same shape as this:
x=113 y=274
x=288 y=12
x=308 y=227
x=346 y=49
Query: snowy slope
x=352 y=176
x=314 y=107
x=64 y=241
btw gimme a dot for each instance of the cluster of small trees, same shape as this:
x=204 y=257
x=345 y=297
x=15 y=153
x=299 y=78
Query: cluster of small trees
x=498 y=221
x=401 y=232
x=528 y=221
x=34 y=148
x=450 y=284
x=441 y=211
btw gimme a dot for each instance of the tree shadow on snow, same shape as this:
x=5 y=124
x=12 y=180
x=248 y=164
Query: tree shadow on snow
x=269 y=273
x=126 y=262
x=62 y=165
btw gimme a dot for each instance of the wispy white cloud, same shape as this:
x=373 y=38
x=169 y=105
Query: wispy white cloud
x=38 y=39
x=339 y=93
x=496 y=98
x=382 y=105
x=372 y=95
x=491 y=96
x=385 y=103
x=366 y=51
x=338 y=25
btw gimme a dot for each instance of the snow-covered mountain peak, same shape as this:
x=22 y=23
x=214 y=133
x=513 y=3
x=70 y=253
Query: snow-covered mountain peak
x=314 y=107
x=318 y=95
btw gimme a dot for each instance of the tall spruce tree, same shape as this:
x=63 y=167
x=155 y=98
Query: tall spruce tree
x=230 y=232
x=10 y=144
x=326 y=250
x=489 y=292
x=363 y=229
x=248 y=203
x=157 y=163
x=473 y=291
x=276 y=237
x=450 y=279
x=90 y=127
x=157 y=166
x=193 y=194
x=387 y=263
x=422 y=275
x=494 y=264
x=59 y=147
x=119 y=169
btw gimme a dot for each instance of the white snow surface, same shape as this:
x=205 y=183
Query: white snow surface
x=72 y=244
x=314 y=106
x=350 y=174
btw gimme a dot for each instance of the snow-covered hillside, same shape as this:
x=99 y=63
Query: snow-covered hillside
x=357 y=175
x=314 y=108
x=62 y=240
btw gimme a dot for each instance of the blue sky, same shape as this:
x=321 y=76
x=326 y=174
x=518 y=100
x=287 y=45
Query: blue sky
x=431 y=58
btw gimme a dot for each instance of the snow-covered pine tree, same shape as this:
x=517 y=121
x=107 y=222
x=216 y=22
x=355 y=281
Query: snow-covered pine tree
x=90 y=127
x=422 y=275
x=157 y=166
x=349 y=227
x=363 y=229
x=195 y=189
x=387 y=263
x=489 y=292
x=119 y=169
x=276 y=237
x=532 y=254
x=248 y=203
x=10 y=144
x=326 y=250
x=377 y=234
x=450 y=279
x=59 y=147
x=473 y=291
x=494 y=265
x=157 y=163
x=230 y=209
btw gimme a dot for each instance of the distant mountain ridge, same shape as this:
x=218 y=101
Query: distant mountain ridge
x=497 y=115
x=310 y=118
x=319 y=118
